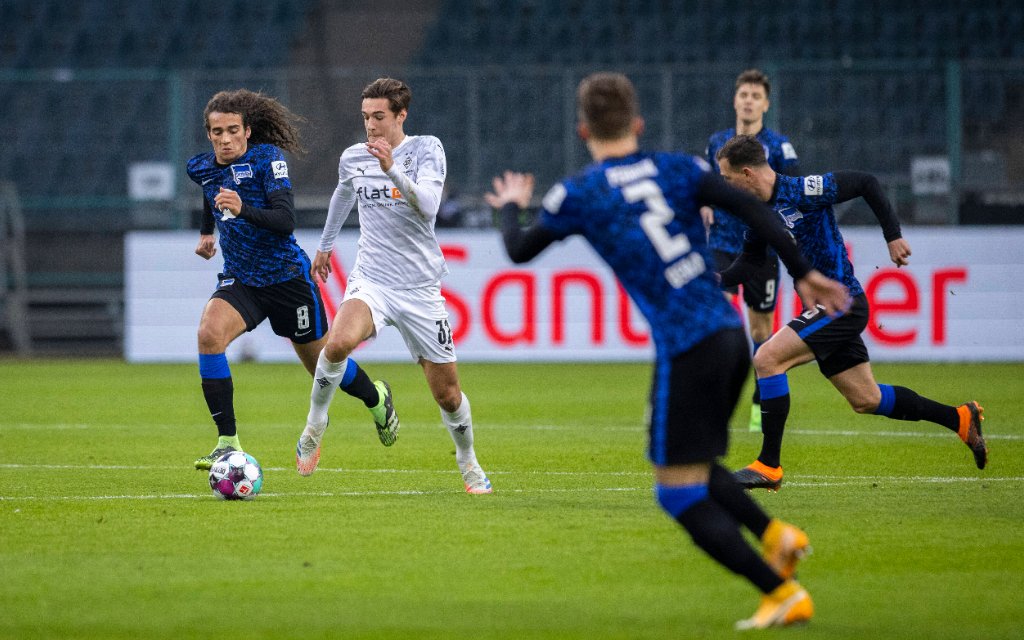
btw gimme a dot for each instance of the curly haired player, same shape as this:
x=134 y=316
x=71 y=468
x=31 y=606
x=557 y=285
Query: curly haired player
x=247 y=197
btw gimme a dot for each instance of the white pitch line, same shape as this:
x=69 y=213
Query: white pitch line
x=51 y=427
x=517 y=472
x=116 y=467
x=94 y=467
x=939 y=433
x=324 y=494
x=911 y=478
x=639 y=429
x=827 y=481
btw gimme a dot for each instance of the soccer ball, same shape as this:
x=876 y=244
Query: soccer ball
x=236 y=476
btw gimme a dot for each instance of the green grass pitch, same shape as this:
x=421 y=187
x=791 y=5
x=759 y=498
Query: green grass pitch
x=106 y=531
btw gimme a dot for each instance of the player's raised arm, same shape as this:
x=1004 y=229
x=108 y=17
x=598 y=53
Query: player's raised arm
x=511 y=195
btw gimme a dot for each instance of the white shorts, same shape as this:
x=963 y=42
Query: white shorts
x=418 y=314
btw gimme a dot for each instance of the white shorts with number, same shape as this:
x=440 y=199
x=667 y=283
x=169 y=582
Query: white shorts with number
x=418 y=314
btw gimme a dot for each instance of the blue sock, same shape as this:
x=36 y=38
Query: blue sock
x=774 y=413
x=350 y=372
x=218 y=390
x=888 y=400
x=357 y=384
x=773 y=386
x=677 y=500
x=213 y=365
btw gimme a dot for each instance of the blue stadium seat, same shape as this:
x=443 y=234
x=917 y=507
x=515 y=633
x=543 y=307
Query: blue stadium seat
x=48 y=118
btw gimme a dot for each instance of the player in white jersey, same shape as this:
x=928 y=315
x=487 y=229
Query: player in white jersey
x=396 y=181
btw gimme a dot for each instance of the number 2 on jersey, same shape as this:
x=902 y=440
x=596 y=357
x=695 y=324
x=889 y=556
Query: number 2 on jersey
x=655 y=223
x=655 y=220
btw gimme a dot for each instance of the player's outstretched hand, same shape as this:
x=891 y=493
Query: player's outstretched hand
x=207 y=247
x=511 y=187
x=818 y=291
x=899 y=252
x=321 y=266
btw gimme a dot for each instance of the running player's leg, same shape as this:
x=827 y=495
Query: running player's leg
x=865 y=395
x=296 y=311
x=781 y=353
x=421 y=317
x=333 y=369
x=221 y=323
x=305 y=322
x=692 y=398
x=307 y=451
x=760 y=294
x=352 y=325
x=365 y=311
x=309 y=353
x=760 y=331
x=813 y=335
x=443 y=380
x=843 y=357
x=783 y=545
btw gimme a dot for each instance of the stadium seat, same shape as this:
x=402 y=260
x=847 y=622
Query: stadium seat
x=117 y=34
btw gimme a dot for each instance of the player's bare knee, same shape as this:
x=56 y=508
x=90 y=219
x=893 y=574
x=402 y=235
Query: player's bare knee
x=449 y=403
x=764 y=364
x=210 y=340
x=337 y=350
x=759 y=335
x=863 y=405
x=449 y=398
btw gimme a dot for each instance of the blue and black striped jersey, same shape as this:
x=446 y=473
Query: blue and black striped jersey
x=727 y=232
x=256 y=256
x=805 y=206
x=641 y=214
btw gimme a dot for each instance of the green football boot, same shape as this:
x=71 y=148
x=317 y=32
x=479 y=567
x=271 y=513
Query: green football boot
x=384 y=416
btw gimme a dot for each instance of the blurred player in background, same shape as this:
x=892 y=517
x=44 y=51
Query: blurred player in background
x=247 y=195
x=725 y=232
x=641 y=213
x=397 y=181
x=805 y=205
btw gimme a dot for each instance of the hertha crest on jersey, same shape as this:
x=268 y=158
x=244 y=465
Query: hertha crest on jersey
x=240 y=172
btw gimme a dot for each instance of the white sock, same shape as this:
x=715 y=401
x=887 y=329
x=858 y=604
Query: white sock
x=325 y=382
x=460 y=426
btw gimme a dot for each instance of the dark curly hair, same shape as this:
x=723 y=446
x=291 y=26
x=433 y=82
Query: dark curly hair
x=270 y=121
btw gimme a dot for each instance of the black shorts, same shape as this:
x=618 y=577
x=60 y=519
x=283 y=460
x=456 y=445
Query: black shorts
x=760 y=291
x=836 y=342
x=295 y=308
x=692 y=398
